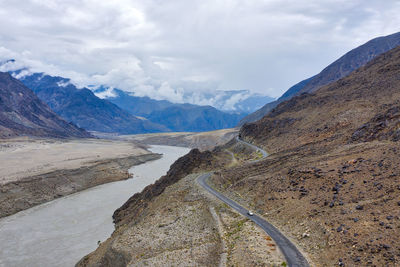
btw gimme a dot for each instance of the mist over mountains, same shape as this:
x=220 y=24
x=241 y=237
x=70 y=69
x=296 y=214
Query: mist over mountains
x=115 y=111
x=111 y=110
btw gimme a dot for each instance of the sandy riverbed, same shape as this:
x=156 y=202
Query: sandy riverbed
x=34 y=171
x=22 y=158
x=203 y=140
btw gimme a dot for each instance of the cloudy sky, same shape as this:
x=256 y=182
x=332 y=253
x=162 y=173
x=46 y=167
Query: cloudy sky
x=166 y=48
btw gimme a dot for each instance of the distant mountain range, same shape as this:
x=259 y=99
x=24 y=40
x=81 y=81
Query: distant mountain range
x=340 y=68
x=123 y=113
x=238 y=101
x=23 y=113
x=83 y=108
x=176 y=117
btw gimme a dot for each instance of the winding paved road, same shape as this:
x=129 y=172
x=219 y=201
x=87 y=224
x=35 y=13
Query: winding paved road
x=292 y=255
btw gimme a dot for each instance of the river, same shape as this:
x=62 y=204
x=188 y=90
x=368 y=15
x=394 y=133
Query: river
x=61 y=232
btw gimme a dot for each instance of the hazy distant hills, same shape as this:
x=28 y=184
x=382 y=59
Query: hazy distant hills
x=338 y=69
x=239 y=101
x=176 y=117
x=139 y=106
x=22 y=113
x=192 y=118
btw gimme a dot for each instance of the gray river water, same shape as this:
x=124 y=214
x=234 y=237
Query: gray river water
x=61 y=232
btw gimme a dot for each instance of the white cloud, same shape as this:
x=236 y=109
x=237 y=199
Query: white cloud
x=233 y=100
x=108 y=93
x=180 y=50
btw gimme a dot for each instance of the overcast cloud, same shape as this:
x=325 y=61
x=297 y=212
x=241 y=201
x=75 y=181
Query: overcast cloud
x=166 y=48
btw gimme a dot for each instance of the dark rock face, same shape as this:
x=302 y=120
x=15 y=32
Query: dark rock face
x=83 y=108
x=22 y=113
x=342 y=67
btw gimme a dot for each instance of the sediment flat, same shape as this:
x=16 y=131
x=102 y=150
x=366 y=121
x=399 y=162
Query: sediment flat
x=34 y=171
x=200 y=140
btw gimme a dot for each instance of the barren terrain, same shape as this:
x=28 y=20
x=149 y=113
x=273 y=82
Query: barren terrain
x=332 y=180
x=331 y=183
x=202 y=141
x=21 y=158
x=186 y=226
x=34 y=171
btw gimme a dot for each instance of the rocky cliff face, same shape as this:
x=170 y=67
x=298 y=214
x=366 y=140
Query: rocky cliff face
x=22 y=113
x=342 y=67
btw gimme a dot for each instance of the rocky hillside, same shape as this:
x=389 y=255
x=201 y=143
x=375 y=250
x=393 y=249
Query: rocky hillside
x=332 y=180
x=22 y=113
x=86 y=110
x=340 y=68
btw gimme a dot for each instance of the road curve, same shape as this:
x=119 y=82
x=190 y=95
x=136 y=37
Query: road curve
x=292 y=255
x=256 y=148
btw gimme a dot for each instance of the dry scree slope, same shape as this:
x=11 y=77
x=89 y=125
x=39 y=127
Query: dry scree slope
x=332 y=180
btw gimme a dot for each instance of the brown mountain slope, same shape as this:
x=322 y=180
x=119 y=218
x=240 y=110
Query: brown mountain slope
x=334 y=112
x=332 y=181
x=342 y=67
x=22 y=113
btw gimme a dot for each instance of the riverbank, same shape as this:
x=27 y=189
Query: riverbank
x=60 y=232
x=200 y=140
x=35 y=171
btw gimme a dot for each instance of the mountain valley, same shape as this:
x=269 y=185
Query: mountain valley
x=330 y=182
x=142 y=133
